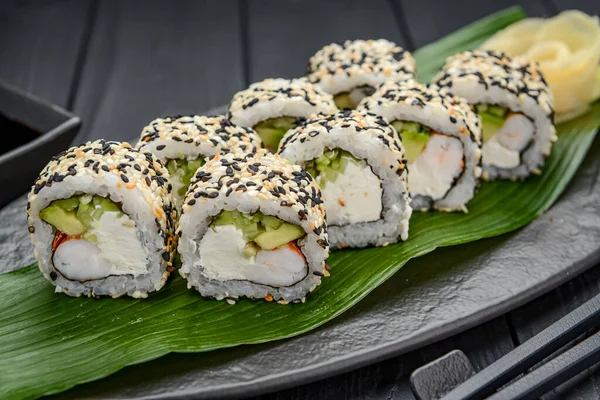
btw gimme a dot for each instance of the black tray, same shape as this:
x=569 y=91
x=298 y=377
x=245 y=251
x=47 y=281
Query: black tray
x=57 y=129
x=417 y=306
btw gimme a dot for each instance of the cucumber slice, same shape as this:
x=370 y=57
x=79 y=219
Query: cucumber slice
x=250 y=250
x=412 y=127
x=183 y=171
x=272 y=130
x=68 y=204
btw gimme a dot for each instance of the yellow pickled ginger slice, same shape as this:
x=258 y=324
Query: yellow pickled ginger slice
x=567 y=48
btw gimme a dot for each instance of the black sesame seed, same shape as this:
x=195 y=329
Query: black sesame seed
x=302 y=215
x=124 y=178
x=318 y=273
x=105 y=168
x=166 y=256
x=31 y=229
x=191 y=202
x=160 y=147
x=212 y=195
x=53 y=275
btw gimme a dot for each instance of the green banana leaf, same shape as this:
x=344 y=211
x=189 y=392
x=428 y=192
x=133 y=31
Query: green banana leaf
x=50 y=342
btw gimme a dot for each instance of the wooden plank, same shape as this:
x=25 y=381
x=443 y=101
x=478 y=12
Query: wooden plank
x=429 y=20
x=148 y=59
x=542 y=312
x=589 y=6
x=282 y=35
x=40 y=42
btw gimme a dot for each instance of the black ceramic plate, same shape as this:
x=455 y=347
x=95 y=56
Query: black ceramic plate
x=39 y=128
x=417 y=306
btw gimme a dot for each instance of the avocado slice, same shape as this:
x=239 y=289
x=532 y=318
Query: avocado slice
x=490 y=125
x=414 y=138
x=254 y=228
x=272 y=130
x=270 y=240
x=343 y=101
x=65 y=221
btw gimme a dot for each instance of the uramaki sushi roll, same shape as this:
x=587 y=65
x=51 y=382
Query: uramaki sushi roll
x=353 y=70
x=253 y=225
x=515 y=105
x=183 y=144
x=101 y=221
x=274 y=106
x=441 y=139
x=357 y=159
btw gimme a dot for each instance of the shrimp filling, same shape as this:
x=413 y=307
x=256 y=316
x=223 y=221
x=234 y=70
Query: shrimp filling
x=506 y=135
x=351 y=191
x=435 y=161
x=259 y=248
x=90 y=233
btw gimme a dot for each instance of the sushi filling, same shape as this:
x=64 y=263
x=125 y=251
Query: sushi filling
x=351 y=191
x=181 y=171
x=90 y=233
x=435 y=161
x=272 y=130
x=352 y=98
x=258 y=248
x=506 y=135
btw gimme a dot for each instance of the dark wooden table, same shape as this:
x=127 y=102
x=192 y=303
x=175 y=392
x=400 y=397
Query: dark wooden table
x=118 y=65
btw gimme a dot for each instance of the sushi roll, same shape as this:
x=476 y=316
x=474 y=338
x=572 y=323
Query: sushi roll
x=353 y=70
x=357 y=159
x=515 y=105
x=253 y=225
x=100 y=218
x=274 y=106
x=183 y=143
x=441 y=139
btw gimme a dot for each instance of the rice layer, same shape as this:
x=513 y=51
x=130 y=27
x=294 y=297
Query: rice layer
x=274 y=98
x=195 y=136
x=339 y=68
